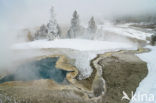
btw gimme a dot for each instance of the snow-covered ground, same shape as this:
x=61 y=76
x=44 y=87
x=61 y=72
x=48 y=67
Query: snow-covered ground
x=76 y=44
x=148 y=86
x=83 y=50
x=124 y=30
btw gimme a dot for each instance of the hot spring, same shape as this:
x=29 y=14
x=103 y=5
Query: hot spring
x=35 y=70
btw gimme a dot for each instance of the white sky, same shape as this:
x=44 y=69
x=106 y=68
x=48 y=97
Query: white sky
x=21 y=13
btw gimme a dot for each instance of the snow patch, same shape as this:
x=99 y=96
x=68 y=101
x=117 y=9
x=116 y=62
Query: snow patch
x=148 y=85
x=76 y=44
x=125 y=30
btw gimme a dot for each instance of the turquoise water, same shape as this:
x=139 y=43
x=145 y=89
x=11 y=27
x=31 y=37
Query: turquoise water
x=41 y=69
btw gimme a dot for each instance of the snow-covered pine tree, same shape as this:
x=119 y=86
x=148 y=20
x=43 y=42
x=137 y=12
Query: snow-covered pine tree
x=92 y=28
x=42 y=32
x=53 y=31
x=75 y=28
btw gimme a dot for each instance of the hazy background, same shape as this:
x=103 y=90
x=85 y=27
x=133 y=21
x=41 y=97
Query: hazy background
x=24 y=13
x=19 y=14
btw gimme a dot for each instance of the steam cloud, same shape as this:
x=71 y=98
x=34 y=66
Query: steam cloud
x=19 y=14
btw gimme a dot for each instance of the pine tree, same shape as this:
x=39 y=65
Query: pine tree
x=42 y=32
x=75 y=28
x=52 y=26
x=92 y=28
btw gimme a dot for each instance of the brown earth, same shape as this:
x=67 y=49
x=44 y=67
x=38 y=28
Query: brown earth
x=122 y=71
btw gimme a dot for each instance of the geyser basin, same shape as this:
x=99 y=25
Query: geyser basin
x=35 y=70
